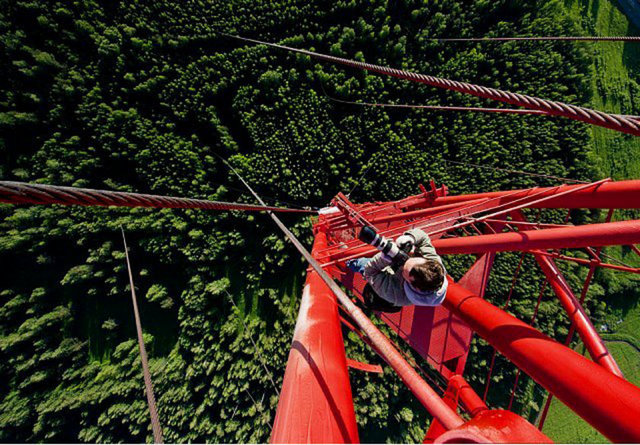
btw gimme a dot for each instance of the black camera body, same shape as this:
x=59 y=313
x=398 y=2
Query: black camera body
x=398 y=256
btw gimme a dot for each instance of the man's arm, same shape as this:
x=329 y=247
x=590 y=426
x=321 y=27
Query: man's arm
x=423 y=245
x=388 y=286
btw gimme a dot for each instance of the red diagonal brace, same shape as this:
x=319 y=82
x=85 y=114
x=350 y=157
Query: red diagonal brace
x=355 y=364
x=587 y=332
x=608 y=402
x=575 y=311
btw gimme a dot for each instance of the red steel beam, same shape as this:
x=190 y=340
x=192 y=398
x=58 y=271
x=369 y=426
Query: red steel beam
x=422 y=213
x=589 y=263
x=469 y=398
x=572 y=237
x=618 y=195
x=579 y=319
x=588 y=235
x=607 y=402
x=316 y=405
x=525 y=202
x=381 y=343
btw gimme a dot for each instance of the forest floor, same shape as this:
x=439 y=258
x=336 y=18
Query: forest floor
x=615 y=66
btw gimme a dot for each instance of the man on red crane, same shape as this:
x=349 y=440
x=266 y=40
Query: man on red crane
x=397 y=277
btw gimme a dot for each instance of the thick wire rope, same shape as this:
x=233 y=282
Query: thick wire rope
x=151 y=400
x=25 y=193
x=594 y=117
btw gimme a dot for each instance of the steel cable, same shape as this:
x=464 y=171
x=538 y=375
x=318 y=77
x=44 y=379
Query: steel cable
x=594 y=117
x=25 y=193
x=148 y=384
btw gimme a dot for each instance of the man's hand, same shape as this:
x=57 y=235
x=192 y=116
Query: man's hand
x=405 y=243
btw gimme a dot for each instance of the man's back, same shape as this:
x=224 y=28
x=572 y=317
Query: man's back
x=392 y=286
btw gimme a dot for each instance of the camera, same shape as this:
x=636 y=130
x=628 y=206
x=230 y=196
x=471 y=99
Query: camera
x=388 y=248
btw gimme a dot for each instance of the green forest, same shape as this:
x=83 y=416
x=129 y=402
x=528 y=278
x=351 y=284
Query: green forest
x=145 y=96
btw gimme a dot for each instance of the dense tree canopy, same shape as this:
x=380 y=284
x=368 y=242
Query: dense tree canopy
x=142 y=95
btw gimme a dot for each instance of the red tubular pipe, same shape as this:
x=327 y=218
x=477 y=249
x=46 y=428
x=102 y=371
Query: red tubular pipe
x=472 y=402
x=579 y=319
x=607 y=402
x=316 y=405
x=573 y=237
x=299 y=400
x=416 y=384
x=610 y=195
x=586 y=262
x=589 y=235
x=422 y=213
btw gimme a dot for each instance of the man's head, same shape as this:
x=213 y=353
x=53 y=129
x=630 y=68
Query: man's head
x=423 y=275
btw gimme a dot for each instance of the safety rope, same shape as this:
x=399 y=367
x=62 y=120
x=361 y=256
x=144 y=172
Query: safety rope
x=151 y=400
x=594 y=117
x=538 y=38
x=25 y=193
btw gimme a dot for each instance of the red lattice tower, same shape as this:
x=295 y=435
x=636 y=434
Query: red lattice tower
x=316 y=402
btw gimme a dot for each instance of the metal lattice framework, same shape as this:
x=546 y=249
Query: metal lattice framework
x=481 y=224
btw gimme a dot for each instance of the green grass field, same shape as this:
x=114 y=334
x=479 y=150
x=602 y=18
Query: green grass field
x=616 y=74
x=563 y=426
x=616 y=68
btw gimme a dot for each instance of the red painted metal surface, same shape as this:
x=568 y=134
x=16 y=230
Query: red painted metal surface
x=495 y=426
x=569 y=338
x=591 y=263
x=589 y=235
x=316 y=405
x=366 y=367
x=438 y=336
x=422 y=213
x=469 y=398
x=607 y=402
x=436 y=429
x=592 y=341
x=305 y=384
x=579 y=319
x=458 y=390
x=442 y=335
x=383 y=346
x=611 y=195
